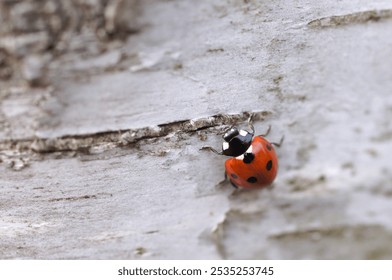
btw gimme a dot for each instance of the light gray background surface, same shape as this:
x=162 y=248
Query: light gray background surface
x=318 y=72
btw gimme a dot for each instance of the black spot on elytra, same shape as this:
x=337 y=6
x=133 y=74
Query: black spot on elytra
x=233 y=176
x=252 y=179
x=269 y=148
x=269 y=165
x=248 y=158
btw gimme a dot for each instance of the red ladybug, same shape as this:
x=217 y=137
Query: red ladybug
x=253 y=162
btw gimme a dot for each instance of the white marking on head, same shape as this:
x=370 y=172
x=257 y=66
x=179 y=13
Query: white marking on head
x=225 y=145
x=249 y=150
x=243 y=132
x=241 y=157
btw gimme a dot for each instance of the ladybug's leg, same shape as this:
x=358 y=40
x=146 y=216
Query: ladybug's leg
x=236 y=192
x=270 y=187
x=267 y=132
x=211 y=149
x=223 y=182
x=280 y=142
x=234 y=185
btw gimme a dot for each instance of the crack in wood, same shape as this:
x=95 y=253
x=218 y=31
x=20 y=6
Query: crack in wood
x=73 y=198
x=122 y=138
x=353 y=18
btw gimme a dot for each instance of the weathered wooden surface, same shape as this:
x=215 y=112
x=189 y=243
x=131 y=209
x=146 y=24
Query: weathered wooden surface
x=102 y=159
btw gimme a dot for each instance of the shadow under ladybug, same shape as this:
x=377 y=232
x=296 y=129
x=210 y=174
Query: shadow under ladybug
x=253 y=162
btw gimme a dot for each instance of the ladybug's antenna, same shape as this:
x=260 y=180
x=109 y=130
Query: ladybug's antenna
x=250 y=123
x=211 y=149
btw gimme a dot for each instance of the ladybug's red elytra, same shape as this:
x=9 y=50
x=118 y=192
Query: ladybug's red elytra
x=253 y=162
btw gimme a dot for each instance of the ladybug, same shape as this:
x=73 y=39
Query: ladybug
x=253 y=162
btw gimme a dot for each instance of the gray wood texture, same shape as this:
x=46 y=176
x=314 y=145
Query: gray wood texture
x=100 y=146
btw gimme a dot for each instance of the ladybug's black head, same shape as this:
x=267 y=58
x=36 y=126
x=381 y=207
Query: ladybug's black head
x=236 y=142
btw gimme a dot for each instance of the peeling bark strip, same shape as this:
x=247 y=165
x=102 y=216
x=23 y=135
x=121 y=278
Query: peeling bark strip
x=354 y=18
x=111 y=139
